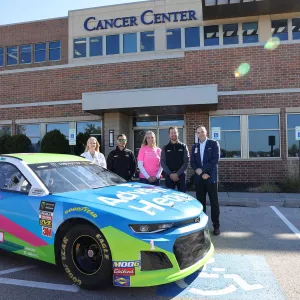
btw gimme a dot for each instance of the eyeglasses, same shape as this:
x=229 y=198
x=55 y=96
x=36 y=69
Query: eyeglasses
x=122 y=140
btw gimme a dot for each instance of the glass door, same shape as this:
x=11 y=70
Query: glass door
x=138 y=138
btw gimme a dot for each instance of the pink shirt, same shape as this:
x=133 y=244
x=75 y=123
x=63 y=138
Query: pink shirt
x=151 y=158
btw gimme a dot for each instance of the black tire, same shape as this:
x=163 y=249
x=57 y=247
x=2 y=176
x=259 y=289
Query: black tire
x=86 y=257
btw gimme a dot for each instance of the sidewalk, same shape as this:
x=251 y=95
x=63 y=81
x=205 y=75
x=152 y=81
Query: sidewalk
x=256 y=199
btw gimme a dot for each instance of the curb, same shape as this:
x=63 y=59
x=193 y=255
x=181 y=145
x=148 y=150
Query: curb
x=292 y=203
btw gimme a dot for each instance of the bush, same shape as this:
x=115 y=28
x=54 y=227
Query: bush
x=55 y=142
x=3 y=143
x=19 y=143
x=291 y=184
x=265 y=188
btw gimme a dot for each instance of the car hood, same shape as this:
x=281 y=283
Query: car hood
x=136 y=201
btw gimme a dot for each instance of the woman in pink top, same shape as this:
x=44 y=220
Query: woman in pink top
x=149 y=160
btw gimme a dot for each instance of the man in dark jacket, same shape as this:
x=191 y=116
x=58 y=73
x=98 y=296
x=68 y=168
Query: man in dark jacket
x=174 y=161
x=204 y=161
x=122 y=160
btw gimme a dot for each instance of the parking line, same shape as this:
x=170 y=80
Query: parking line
x=16 y=270
x=42 y=285
x=286 y=221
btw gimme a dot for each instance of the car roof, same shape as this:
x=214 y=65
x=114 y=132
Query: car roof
x=36 y=158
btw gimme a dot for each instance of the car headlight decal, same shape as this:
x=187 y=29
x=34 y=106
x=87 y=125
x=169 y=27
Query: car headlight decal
x=151 y=228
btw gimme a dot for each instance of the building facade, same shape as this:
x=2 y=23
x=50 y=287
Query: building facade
x=149 y=65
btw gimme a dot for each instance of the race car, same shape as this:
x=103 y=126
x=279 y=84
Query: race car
x=63 y=209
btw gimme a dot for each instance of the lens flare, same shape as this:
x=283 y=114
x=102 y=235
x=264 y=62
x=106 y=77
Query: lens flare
x=242 y=70
x=272 y=43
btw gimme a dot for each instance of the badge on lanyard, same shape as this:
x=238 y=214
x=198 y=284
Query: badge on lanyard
x=196 y=150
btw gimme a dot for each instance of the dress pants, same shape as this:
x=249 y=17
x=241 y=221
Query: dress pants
x=203 y=188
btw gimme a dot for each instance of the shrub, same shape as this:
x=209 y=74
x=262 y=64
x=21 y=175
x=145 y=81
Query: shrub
x=55 y=142
x=291 y=184
x=3 y=143
x=19 y=143
x=265 y=187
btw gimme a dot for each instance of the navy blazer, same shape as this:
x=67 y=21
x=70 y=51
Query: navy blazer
x=211 y=157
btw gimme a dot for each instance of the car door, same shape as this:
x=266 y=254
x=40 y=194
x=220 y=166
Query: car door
x=20 y=231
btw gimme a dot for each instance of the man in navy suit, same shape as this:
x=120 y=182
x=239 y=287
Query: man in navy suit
x=204 y=161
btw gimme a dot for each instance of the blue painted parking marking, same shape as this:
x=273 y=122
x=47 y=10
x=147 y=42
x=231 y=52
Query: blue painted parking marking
x=234 y=277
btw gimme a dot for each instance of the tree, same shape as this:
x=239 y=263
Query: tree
x=55 y=142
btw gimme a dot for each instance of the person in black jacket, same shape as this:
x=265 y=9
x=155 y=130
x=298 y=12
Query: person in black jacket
x=174 y=161
x=122 y=160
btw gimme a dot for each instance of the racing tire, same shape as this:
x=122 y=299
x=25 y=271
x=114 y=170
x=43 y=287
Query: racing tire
x=86 y=257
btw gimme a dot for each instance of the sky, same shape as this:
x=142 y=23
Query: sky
x=18 y=11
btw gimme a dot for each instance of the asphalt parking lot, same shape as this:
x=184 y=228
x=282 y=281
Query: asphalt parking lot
x=257 y=256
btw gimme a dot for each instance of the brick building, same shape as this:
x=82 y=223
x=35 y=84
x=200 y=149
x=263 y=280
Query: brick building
x=148 y=65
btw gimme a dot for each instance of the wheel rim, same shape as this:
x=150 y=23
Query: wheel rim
x=87 y=255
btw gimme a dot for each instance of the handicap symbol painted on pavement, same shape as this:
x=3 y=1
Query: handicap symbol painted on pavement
x=240 y=277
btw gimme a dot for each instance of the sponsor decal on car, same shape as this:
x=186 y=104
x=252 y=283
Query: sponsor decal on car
x=126 y=264
x=121 y=280
x=81 y=209
x=47 y=206
x=46 y=231
x=124 y=271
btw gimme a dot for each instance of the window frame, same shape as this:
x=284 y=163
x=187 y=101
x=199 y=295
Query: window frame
x=229 y=130
x=3 y=55
x=31 y=54
x=18 y=56
x=279 y=133
x=87 y=49
x=49 y=50
x=6 y=125
x=34 y=53
x=287 y=136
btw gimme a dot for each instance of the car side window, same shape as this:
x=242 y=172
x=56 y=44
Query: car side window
x=11 y=179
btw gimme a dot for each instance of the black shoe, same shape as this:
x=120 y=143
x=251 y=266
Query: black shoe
x=217 y=231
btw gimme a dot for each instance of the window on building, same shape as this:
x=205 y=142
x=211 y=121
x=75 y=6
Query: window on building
x=192 y=37
x=144 y=121
x=54 y=51
x=264 y=136
x=230 y=142
x=26 y=54
x=91 y=128
x=280 y=29
x=40 y=52
x=12 y=57
x=296 y=28
x=96 y=46
x=62 y=127
x=174 y=38
x=5 y=130
x=130 y=43
x=171 y=120
x=293 y=120
x=32 y=131
x=230 y=34
x=113 y=44
x=250 y=32
x=211 y=35
x=80 y=48
x=1 y=57
x=147 y=41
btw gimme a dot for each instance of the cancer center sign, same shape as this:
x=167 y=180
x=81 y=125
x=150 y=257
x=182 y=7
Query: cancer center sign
x=91 y=23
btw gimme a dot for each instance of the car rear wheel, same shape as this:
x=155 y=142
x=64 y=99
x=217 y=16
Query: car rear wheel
x=86 y=257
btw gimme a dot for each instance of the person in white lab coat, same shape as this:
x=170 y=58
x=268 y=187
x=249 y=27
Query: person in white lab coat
x=92 y=152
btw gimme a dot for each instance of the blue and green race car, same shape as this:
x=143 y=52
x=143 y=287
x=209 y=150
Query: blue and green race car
x=63 y=209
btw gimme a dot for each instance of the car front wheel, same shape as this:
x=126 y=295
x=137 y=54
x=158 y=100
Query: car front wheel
x=86 y=257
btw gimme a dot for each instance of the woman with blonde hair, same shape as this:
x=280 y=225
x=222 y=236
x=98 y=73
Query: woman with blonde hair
x=149 y=160
x=92 y=152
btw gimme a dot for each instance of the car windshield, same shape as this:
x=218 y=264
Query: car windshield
x=60 y=177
